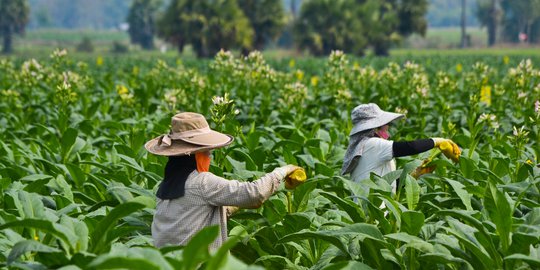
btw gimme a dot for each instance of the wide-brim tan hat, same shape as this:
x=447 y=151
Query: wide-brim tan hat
x=189 y=134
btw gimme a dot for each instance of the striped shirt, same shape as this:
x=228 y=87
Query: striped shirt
x=205 y=203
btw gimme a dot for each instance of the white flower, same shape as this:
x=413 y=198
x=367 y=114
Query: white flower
x=537 y=106
x=217 y=100
x=237 y=111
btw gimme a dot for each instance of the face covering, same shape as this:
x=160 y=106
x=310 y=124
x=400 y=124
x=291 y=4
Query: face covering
x=203 y=161
x=383 y=134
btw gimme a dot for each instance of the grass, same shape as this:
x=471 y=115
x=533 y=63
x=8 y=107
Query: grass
x=437 y=42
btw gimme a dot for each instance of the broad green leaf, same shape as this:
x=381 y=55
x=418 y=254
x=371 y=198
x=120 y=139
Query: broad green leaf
x=412 y=222
x=131 y=162
x=531 y=261
x=353 y=210
x=196 y=250
x=25 y=246
x=347 y=265
x=58 y=230
x=277 y=262
x=500 y=211
x=412 y=192
x=99 y=234
x=462 y=193
x=131 y=258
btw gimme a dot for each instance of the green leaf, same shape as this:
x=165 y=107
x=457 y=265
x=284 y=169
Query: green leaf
x=467 y=166
x=500 y=211
x=196 y=250
x=461 y=192
x=353 y=209
x=348 y=265
x=219 y=259
x=99 y=234
x=277 y=262
x=412 y=222
x=136 y=258
x=531 y=261
x=68 y=139
x=339 y=238
x=466 y=236
x=412 y=192
x=25 y=246
x=131 y=162
x=58 y=230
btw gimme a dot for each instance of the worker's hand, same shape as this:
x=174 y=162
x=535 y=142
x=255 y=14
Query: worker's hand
x=285 y=170
x=448 y=148
x=296 y=178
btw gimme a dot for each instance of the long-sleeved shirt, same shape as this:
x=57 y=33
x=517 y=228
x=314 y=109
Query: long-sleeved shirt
x=204 y=204
x=378 y=157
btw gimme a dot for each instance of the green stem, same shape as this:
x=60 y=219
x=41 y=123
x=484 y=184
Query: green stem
x=289 y=202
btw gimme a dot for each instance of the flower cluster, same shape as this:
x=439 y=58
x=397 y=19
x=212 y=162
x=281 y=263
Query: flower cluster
x=125 y=96
x=223 y=109
x=489 y=119
x=294 y=94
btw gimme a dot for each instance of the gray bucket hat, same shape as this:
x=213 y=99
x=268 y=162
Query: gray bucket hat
x=369 y=116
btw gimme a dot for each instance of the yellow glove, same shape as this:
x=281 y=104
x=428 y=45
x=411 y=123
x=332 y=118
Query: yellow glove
x=449 y=148
x=295 y=178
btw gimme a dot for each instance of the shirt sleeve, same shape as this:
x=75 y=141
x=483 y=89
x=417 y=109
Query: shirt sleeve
x=408 y=148
x=218 y=191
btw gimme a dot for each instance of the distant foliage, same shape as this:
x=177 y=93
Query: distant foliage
x=521 y=16
x=348 y=25
x=13 y=20
x=447 y=13
x=326 y=25
x=86 y=45
x=267 y=19
x=208 y=25
x=119 y=47
x=142 y=22
x=97 y=14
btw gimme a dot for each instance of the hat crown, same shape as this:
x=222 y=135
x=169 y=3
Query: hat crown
x=365 y=112
x=188 y=121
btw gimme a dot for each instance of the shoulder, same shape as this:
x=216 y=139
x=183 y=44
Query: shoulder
x=208 y=178
x=378 y=142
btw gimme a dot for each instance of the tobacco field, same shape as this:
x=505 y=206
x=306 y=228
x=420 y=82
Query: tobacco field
x=78 y=187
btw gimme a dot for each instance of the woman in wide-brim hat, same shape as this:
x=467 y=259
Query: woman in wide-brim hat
x=370 y=151
x=190 y=198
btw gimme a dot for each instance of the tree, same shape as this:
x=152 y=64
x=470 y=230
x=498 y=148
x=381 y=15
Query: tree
x=521 y=16
x=208 y=25
x=326 y=25
x=489 y=15
x=396 y=20
x=352 y=25
x=266 y=17
x=463 y=23
x=13 y=19
x=141 y=19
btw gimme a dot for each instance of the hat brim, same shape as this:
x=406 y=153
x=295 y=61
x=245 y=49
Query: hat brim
x=182 y=147
x=383 y=119
x=208 y=139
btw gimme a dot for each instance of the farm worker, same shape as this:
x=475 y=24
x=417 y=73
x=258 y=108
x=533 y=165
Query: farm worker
x=190 y=198
x=370 y=151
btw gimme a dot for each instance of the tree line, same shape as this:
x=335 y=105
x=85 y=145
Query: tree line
x=510 y=20
x=320 y=26
x=317 y=26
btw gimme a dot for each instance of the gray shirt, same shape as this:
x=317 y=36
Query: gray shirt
x=205 y=203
